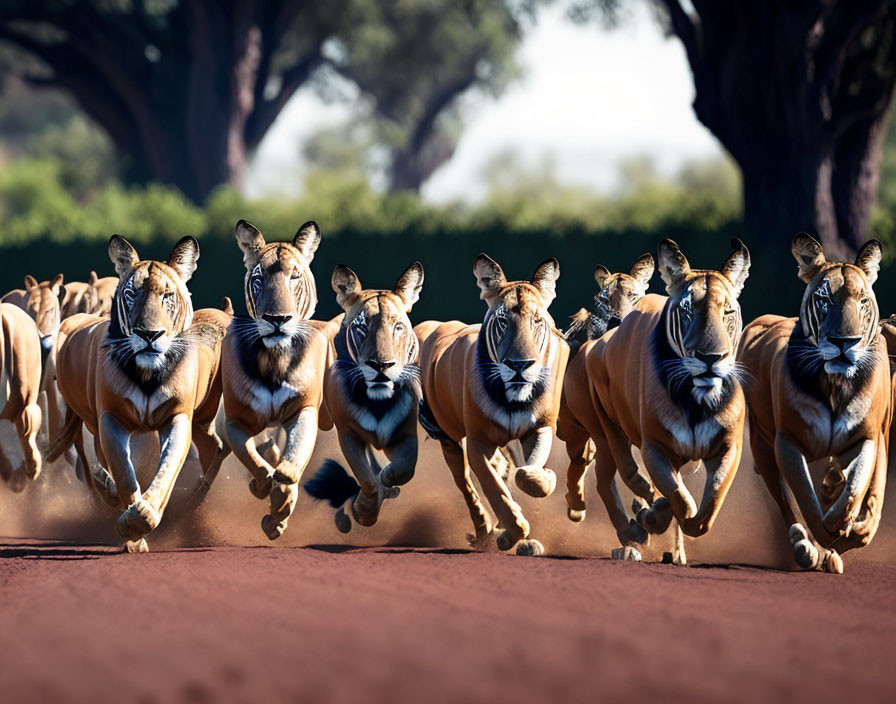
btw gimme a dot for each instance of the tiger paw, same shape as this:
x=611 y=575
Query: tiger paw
x=530 y=548
x=342 y=521
x=627 y=553
x=136 y=546
x=536 y=481
x=139 y=519
x=262 y=489
x=287 y=472
x=505 y=541
x=272 y=527
x=575 y=516
x=366 y=509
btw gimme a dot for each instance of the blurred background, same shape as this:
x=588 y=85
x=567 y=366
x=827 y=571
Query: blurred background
x=436 y=129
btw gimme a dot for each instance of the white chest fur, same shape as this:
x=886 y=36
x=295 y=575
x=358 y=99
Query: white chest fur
x=267 y=403
x=385 y=427
x=693 y=442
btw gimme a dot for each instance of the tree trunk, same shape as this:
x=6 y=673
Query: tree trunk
x=798 y=93
x=784 y=193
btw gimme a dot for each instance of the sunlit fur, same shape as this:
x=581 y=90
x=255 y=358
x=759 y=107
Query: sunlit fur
x=154 y=298
x=823 y=391
x=702 y=326
x=377 y=332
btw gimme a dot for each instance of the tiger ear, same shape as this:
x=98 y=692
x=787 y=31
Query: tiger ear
x=808 y=254
x=347 y=286
x=868 y=259
x=674 y=267
x=489 y=278
x=307 y=240
x=123 y=255
x=545 y=280
x=642 y=270
x=57 y=281
x=227 y=305
x=30 y=282
x=409 y=285
x=601 y=274
x=250 y=241
x=92 y=278
x=184 y=257
x=737 y=268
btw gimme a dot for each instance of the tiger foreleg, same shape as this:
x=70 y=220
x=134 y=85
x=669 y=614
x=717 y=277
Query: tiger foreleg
x=27 y=426
x=720 y=471
x=578 y=449
x=139 y=518
x=365 y=507
x=460 y=472
x=630 y=533
x=534 y=478
x=301 y=434
x=243 y=446
x=795 y=471
x=174 y=443
x=402 y=462
x=676 y=500
x=860 y=464
x=510 y=516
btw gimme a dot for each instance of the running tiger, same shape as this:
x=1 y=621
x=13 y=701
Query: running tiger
x=617 y=296
x=151 y=367
x=666 y=381
x=273 y=366
x=493 y=383
x=823 y=390
x=371 y=394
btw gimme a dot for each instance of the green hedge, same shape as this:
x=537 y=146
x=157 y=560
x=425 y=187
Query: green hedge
x=46 y=231
x=449 y=290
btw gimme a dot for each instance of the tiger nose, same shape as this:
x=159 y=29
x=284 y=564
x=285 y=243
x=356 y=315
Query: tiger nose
x=149 y=335
x=276 y=320
x=518 y=365
x=844 y=343
x=380 y=366
x=709 y=359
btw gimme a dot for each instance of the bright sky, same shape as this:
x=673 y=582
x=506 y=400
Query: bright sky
x=588 y=99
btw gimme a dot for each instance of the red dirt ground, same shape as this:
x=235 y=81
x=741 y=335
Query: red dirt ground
x=420 y=625
x=239 y=620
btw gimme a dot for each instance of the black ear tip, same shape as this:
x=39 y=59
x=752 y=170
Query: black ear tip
x=666 y=243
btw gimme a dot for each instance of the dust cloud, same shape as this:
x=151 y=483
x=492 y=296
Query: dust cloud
x=429 y=512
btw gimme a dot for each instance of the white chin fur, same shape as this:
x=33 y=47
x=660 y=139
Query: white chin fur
x=518 y=392
x=841 y=367
x=380 y=391
x=707 y=390
x=150 y=360
x=272 y=341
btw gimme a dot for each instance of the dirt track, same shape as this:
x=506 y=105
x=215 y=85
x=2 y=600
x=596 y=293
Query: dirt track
x=240 y=620
x=390 y=624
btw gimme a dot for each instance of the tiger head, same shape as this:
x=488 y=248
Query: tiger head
x=618 y=293
x=280 y=291
x=839 y=314
x=517 y=327
x=703 y=320
x=152 y=305
x=378 y=335
x=44 y=305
